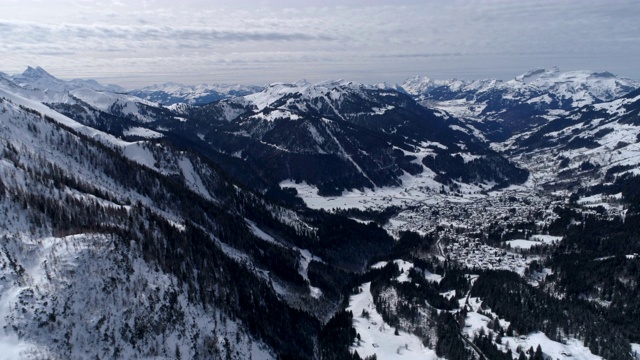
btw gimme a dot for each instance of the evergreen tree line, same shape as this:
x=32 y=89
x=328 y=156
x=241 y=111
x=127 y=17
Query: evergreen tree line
x=530 y=309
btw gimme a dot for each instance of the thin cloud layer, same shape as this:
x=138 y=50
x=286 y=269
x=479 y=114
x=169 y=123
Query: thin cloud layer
x=136 y=43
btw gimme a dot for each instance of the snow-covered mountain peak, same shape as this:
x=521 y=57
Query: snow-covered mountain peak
x=38 y=78
x=54 y=89
x=388 y=86
x=331 y=89
x=337 y=83
x=417 y=84
x=272 y=93
x=528 y=100
x=532 y=75
x=41 y=87
x=36 y=73
x=302 y=82
x=165 y=86
x=602 y=85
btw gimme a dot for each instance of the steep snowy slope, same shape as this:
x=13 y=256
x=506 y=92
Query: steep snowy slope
x=82 y=97
x=91 y=293
x=188 y=272
x=85 y=295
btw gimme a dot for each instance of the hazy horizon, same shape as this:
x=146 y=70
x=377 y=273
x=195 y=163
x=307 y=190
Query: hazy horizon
x=133 y=44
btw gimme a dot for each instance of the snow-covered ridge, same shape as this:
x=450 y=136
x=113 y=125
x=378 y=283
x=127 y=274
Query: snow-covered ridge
x=173 y=93
x=542 y=89
x=421 y=84
x=118 y=104
x=498 y=110
x=135 y=151
x=293 y=100
x=331 y=89
x=38 y=85
x=603 y=86
x=178 y=88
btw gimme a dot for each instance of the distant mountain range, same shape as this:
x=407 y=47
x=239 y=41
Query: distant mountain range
x=173 y=93
x=370 y=132
x=501 y=109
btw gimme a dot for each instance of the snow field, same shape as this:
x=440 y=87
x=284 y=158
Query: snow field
x=142 y=132
x=572 y=349
x=378 y=338
x=535 y=240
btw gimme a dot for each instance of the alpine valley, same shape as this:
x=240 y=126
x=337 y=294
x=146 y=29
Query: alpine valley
x=434 y=219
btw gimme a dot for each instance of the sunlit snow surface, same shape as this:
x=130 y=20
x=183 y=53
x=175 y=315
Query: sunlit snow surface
x=404 y=267
x=142 y=132
x=535 y=240
x=192 y=178
x=573 y=349
x=421 y=189
x=377 y=337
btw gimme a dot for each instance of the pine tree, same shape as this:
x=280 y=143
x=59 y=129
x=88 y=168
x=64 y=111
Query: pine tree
x=538 y=353
x=510 y=330
x=356 y=356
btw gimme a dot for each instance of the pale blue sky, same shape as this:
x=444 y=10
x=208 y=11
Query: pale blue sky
x=135 y=43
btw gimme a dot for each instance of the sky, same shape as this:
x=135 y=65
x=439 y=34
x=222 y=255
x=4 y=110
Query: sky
x=137 y=43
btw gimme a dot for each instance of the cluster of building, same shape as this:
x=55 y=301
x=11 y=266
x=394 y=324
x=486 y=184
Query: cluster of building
x=459 y=222
x=475 y=214
x=472 y=253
